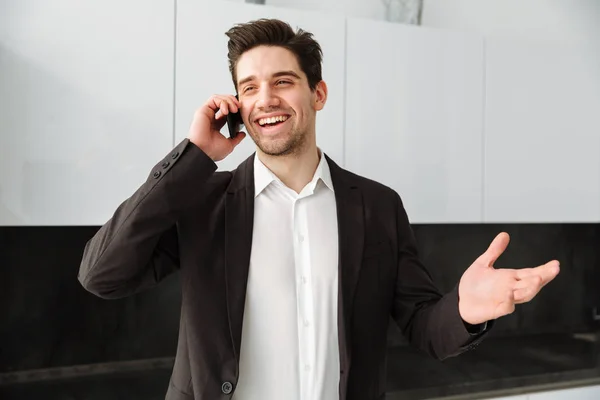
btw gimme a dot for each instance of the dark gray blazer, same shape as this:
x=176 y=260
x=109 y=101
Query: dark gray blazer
x=188 y=217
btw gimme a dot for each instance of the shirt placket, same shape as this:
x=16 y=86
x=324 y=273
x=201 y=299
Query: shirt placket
x=304 y=296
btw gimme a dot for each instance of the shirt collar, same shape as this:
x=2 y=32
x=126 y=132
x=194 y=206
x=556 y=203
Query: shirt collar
x=263 y=176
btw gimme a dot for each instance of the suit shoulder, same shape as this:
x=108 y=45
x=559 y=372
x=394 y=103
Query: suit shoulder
x=219 y=181
x=372 y=187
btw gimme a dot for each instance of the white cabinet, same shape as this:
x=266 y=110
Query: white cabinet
x=91 y=97
x=202 y=69
x=414 y=116
x=542 y=132
x=86 y=100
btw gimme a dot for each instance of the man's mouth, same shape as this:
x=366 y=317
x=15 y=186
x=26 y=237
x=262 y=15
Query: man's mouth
x=272 y=121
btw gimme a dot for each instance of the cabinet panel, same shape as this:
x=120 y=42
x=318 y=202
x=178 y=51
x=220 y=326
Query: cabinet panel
x=542 y=132
x=86 y=95
x=414 y=116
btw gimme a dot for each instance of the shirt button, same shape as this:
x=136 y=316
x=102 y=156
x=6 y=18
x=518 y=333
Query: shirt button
x=301 y=238
x=306 y=324
x=307 y=367
x=304 y=280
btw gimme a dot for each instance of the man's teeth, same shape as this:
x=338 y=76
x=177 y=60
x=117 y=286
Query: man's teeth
x=272 y=120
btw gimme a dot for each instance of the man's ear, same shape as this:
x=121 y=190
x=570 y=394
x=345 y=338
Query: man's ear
x=320 y=95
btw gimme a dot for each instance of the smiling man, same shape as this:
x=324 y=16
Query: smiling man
x=290 y=265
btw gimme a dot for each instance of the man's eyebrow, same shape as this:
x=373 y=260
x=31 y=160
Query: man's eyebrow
x=275 y=75
x=248 y=79
x=286 y=73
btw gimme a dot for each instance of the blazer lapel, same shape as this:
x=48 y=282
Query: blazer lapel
x=239 y=218
x=351 y=232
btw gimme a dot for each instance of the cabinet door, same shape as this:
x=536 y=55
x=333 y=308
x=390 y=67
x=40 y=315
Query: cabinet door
x=542 y=132
x=86 y=101
x=414 y=103
x=202 y=69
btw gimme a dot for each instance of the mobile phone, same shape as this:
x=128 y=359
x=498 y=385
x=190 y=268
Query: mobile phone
x=234 y=122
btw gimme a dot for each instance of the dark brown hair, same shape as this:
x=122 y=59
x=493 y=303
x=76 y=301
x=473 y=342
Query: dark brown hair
x=274 y=32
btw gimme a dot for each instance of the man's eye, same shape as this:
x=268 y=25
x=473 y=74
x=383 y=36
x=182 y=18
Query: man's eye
x=248 y=88
x=280 y=82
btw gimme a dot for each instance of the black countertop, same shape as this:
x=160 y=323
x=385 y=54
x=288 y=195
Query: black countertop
x=497 y=366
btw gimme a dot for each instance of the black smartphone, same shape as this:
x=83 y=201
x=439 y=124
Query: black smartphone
x=234 y=122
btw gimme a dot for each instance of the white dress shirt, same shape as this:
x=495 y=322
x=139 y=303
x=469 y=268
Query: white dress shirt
x=289 y=347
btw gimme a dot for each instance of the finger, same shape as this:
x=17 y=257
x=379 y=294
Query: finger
x=506 y=306
x=214 y=104
x=526 y=289
x=525 y=295
x=547 y=272
x=495 y=249
x=525 y=273
x=234 y=101
x=220 y=121
x=505 y=309
x=231 y=102
x=220 y=103
x=224 y=106
x=533 y=280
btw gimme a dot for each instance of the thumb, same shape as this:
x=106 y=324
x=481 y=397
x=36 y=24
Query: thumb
x=496 y=248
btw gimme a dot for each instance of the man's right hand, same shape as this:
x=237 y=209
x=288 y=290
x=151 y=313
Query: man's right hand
x=205 y=131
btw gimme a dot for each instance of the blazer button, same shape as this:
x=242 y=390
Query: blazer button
x=166 y=164
x=156 y=174
x=227 y=387
x=175 y=155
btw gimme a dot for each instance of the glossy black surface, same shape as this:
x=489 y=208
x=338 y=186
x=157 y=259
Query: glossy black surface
x=47 y=320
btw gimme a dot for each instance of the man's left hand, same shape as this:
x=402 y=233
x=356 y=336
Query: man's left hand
x=486 y=293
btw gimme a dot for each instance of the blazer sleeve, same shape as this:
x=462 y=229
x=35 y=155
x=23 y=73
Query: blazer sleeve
x=138 y=246
x=429 y=320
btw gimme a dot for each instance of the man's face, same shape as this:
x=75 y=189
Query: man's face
x=278 y=107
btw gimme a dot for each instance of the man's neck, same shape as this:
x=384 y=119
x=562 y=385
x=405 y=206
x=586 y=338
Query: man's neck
x=294 y=170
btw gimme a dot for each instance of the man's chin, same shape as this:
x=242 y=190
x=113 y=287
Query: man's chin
x=272 y=145
x=282 y=144
x=274 y=151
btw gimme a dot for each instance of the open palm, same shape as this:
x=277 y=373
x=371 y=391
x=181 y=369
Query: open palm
x=486 y=293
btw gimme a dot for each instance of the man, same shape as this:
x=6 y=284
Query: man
x=290 y=265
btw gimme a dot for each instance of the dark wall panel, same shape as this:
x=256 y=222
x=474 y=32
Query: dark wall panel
x=47 y=319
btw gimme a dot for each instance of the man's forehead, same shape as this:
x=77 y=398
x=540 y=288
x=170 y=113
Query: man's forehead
x=265 y=62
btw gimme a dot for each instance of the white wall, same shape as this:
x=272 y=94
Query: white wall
x=83 y=104
x=542 y=132
x=414 y=116
x=86 y=104
x=540 y=97
x=535 y=20
x=371 y=9
x=546 y=20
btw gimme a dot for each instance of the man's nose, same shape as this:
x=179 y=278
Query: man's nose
x=267 y=99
